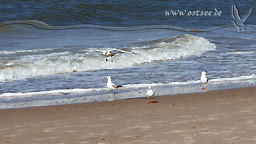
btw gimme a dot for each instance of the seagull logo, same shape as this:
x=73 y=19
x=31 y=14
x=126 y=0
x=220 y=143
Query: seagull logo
x=239 y=22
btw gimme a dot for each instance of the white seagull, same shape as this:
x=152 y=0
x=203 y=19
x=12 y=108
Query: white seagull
x=204 y=80
x=150 y=94
x=108 y=54
x=111 y=85
x=237 y=21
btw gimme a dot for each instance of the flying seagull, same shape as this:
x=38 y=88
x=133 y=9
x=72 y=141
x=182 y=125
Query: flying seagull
x=107 y=54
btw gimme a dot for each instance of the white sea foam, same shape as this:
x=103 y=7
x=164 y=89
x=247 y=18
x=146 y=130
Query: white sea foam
x=128 y=86
x=52 y=92
x=24 y=51
x=211 y=81
x=242 y=53
x=252 y=76
x=51 y=63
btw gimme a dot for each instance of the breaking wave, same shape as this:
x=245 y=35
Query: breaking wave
x=34 y=63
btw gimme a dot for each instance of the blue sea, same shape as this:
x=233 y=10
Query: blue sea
x=51 y=51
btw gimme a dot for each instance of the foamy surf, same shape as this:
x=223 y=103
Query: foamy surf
x=54 y=62
x=104 y=90
x=240 y=78
x=52 y=92
x=180 y=83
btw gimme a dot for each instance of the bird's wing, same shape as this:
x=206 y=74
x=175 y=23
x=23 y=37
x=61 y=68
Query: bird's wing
x=235 y=13
x=153 y=93
x=113 y=52
x=247 y=15
x=114 y=85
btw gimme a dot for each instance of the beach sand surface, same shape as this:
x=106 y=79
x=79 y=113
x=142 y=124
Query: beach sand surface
x=215 y=117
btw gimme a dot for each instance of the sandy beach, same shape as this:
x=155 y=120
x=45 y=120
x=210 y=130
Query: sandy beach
x=216 y=117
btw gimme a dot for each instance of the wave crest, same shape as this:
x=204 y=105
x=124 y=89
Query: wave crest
x=55 y=62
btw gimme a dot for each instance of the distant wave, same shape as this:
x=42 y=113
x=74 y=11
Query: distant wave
x=56 y=62
x=18 y=24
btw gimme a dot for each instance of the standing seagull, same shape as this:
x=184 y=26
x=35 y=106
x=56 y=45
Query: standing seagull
x=150 y=94
x=237 y=21
x=111 y=85
x=204 y=80
x=108 y=54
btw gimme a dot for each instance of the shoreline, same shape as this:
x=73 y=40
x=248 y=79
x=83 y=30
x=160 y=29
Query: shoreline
x=10 y=102
x=221 y=116
x=135 y=98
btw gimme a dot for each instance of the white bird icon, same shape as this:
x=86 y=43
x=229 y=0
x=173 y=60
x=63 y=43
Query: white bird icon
x=111 y=85
x=150 y=94
x=237 y=21
x=204 y=80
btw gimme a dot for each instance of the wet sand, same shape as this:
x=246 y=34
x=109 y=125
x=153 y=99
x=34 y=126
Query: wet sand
x=216 y=117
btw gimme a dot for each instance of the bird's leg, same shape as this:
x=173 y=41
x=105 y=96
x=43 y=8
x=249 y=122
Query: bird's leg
x=204 y=87
x=114 y=94
x=148 y=100
x=106 y=59
x=111 y=59
x=154 y=100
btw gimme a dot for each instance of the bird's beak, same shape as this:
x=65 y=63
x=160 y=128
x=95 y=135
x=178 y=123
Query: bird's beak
x=206 y=74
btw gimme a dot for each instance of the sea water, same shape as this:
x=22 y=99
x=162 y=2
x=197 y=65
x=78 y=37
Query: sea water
x=51 y=52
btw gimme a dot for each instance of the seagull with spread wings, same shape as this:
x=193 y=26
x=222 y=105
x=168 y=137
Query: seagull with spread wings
x=109 y=53
x=239 y=22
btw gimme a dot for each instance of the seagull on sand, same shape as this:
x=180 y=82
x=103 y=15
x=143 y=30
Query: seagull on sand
x=237 y=21
x=204 y=80
x=107 y=54
x=111 y=85
x=150 y=94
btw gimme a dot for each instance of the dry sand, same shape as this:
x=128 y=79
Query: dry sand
x=217 y=117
